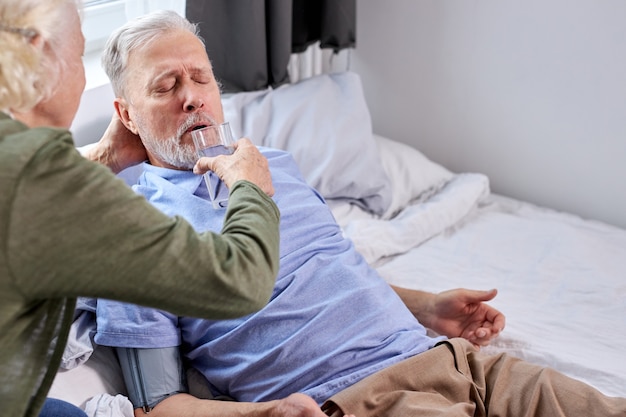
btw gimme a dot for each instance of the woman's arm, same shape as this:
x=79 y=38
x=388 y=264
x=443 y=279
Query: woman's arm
x=76 y=230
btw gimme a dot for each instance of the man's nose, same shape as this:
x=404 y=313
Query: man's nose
x=193 y=103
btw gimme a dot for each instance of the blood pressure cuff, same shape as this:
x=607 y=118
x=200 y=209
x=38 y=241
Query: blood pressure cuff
x=152 y=375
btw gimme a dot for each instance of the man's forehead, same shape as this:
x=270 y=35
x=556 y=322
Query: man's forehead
x=171 y=42
x=155 y=59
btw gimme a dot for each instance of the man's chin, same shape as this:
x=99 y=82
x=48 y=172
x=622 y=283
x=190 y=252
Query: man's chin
x=171 y=153
x=169 y=164
x=183 y=166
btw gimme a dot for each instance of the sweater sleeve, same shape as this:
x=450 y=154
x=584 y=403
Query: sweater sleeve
x=77 y=230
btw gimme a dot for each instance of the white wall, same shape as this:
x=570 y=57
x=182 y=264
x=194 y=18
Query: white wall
x=531 y=93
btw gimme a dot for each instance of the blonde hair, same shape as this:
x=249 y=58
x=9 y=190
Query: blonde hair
x=29 y=68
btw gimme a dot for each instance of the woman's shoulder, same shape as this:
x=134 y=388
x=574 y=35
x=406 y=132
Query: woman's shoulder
x=23 y=149
x=17 y=138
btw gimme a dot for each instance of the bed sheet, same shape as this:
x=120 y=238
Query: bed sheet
x=561 y=279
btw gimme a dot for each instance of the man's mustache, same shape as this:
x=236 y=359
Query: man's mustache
x=191 y=121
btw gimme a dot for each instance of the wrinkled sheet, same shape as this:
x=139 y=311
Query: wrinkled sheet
x=561 y=279
x=107 y=405
x=377 y=239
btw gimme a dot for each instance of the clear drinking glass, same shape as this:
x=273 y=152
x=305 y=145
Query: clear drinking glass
x=212 y=141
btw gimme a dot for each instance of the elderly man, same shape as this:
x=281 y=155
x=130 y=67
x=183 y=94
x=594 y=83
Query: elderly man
x=334 y=333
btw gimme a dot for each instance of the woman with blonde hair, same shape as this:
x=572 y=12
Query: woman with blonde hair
x=69 y=228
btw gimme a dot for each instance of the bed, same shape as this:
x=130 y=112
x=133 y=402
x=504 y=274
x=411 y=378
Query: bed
x=561 y=279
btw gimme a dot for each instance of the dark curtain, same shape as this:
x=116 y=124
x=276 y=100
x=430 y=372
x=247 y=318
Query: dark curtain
x=249 y=42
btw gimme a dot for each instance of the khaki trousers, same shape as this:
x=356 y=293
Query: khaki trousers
x=454 y=379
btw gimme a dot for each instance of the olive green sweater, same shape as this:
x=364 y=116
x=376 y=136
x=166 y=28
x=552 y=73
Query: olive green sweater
x=69 y=227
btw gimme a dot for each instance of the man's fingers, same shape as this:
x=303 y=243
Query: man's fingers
x=475 y=296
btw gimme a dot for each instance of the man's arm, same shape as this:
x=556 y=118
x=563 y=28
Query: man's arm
x=185 y=405
x=456 y=313
x=156 y=386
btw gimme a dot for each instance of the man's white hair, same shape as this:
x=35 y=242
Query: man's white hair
x=136 y=34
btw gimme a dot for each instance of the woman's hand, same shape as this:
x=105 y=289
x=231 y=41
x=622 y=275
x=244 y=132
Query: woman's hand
x=298 y=405
x=295 y=405
x=246 y=163
x=119 y=148
x=125 y=149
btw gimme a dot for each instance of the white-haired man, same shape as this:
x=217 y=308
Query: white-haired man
x=333 y=332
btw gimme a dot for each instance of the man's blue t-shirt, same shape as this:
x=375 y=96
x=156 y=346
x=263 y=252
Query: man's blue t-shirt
x=331 y=321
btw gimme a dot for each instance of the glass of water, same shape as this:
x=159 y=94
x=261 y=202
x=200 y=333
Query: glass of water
x=212 y=141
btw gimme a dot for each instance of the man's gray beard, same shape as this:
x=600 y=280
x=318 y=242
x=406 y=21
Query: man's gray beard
x=171 y=150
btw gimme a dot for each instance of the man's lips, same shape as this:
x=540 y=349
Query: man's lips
x=196 y=127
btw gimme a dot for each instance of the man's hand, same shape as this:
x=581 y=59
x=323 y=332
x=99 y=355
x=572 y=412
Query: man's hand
x=118 y=148
x=463 y=313
x=456 y=313
x=246 y=163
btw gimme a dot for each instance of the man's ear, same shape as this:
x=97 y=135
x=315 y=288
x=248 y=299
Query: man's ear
x=121 y=107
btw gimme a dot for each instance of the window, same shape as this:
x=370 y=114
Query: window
x=101 y=17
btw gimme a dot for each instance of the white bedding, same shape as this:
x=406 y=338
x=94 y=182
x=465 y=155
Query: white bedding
x=561 y=279
x=561 y=283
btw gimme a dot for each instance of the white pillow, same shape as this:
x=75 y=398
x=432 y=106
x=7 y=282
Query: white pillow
x=325 y=124
x=412 y=175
